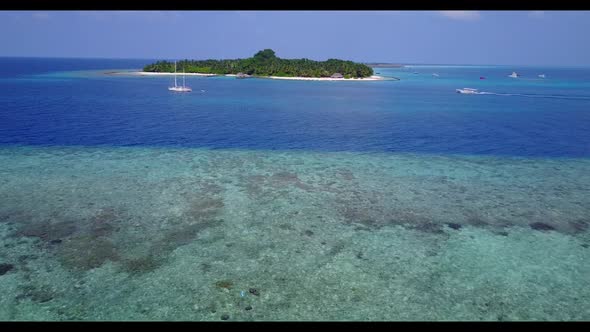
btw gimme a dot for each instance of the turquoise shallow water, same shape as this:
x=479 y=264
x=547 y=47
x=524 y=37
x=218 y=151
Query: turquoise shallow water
x=178 y=234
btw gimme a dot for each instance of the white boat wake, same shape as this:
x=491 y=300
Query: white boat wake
x=530 y=95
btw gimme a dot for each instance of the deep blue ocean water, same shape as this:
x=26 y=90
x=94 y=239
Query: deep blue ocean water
x=72 y=102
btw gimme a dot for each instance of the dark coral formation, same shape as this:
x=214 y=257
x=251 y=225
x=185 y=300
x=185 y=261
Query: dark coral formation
x=206 y=267
x=102 y=223
x=87 y=241
x=87 y=252
x=5 y=268
x=425 y=226
x=475 y=219
x=284 y=177
x=259 y=185
x=15 y=216
x=210 y=188
x=226 y=284
x=205 y=209
x=345 y=174
x=366 y=210
x=48 y=231
x=202 y=213
x=286 y=227
x=372 y=210
x=541 y=226
x=337 y=248
x=82 y=243
x=454 y=225
x=182 y=235
x=141 y=265
x=39 y=295
x=579 y=226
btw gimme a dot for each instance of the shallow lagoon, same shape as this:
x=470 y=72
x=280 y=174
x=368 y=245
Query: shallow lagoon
x=178 y=234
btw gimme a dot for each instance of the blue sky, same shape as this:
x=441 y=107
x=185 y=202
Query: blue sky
x=434 y=37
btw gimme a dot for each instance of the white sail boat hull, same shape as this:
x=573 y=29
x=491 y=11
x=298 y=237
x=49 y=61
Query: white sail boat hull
x=180 y=88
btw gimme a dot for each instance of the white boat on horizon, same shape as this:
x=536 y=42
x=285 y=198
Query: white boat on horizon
x=176 y=87
x=542 y=76
x=467 y=91
x=514 y=75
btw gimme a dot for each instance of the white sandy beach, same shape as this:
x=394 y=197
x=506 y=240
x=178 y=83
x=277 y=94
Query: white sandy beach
x=371 y=78
x=143 y=73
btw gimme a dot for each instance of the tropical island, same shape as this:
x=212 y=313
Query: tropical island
x=266 y=64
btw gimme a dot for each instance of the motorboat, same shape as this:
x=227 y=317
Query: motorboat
x=514 y=75
x=542 y=76
x=467 y=91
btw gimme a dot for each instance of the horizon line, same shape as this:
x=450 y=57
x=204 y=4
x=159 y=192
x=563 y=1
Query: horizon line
x=363 y=62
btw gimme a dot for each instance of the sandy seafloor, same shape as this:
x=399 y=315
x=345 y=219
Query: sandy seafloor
x=195 y=234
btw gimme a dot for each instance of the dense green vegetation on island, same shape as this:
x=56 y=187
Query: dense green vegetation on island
x=266 y=63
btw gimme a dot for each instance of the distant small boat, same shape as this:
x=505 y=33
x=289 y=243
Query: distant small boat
x=415 y=72
x=242 y=75
x=514 y=75
x=435 y=75
x=482 y=78
x=467 y=91
x=542 y=76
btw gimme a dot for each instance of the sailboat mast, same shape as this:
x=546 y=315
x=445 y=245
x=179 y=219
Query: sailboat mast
x=183 y=77
x=175 y=74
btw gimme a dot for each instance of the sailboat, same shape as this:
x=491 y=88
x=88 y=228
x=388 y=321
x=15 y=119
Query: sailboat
x=176 y=87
